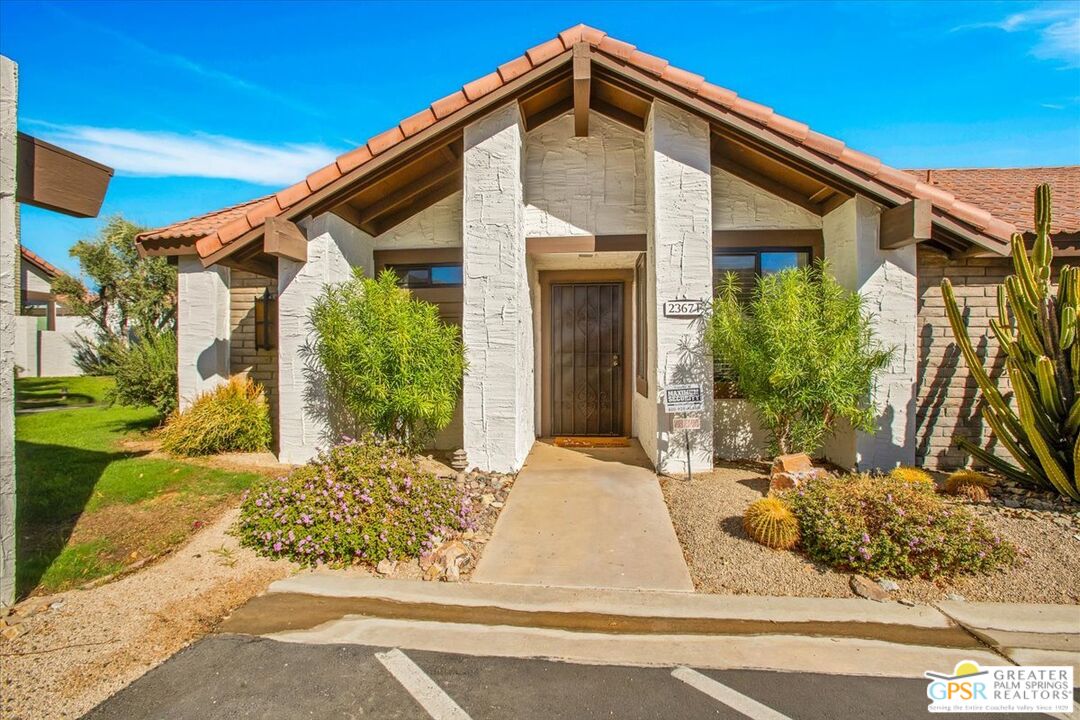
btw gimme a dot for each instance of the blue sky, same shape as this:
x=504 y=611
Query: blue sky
x=199 y=105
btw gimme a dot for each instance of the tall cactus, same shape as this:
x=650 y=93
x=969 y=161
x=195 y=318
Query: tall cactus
x=1037 y=331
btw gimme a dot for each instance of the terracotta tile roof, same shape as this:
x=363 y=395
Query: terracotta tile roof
x=44 y=265
x=1009 y=193
x=202 y=225
x=226 y=226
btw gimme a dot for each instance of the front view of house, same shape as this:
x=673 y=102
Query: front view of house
x=558 y=208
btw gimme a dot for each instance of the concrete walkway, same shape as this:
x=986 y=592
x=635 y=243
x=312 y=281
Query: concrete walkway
x=585 y=518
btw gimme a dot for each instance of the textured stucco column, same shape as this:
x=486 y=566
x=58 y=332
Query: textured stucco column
x=498 y=393
x=305 y=415
x=678 y=194
x=202 y=328
x=9 y=268
x=887 y=281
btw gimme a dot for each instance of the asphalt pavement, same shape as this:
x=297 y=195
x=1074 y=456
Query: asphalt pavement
x=239 y=676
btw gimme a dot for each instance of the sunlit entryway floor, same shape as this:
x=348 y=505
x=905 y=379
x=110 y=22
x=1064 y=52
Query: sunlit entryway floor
x=585 y=517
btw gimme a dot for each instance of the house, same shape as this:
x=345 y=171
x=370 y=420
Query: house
x=557 y=208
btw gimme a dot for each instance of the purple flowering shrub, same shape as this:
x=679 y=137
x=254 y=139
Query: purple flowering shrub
x=884 y=526
x=363 y=501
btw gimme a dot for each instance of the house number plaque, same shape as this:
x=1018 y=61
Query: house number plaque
x=684 y=308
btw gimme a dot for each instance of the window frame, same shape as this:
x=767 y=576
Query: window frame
x=400 y=269
x=641 y=326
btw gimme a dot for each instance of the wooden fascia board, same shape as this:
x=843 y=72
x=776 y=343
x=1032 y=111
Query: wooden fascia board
x=582 y=80
x=336 y=192
x=53 y=178
x=586 y=244
x=404 y=195
x=790 y=151
x=906 y=224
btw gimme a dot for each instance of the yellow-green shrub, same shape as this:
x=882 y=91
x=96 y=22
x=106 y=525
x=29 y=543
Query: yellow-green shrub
x=914 y=475
x=231 y=418
x=770 y=522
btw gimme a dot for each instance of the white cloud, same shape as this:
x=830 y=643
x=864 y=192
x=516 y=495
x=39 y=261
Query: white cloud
x=1057 y=26
x=138 y=152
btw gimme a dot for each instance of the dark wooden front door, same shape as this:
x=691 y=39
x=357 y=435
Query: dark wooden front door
x=587 y=359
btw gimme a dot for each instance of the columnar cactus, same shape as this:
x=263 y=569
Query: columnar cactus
x=1037 y=331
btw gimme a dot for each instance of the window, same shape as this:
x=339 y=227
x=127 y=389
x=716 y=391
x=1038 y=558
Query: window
x=641 y=334
x=428 y=275
x=747 y=265
x=265 y=321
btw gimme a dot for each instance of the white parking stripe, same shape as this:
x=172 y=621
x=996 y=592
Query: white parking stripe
x=748 y=706
x=431 y=697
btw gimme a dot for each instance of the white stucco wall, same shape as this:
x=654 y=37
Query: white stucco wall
x=33 y=280
x=593 y=185
x=887 y=281
x=49 y=353
x=437 y=226
x=202 y=328
x=679 y=199
x=9 y=241
x=738 y=434
x=738 y=205
x=498 y=395
x=305 y=415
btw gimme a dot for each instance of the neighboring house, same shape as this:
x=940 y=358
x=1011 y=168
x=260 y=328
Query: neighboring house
x=46 y=335
x=554 y=207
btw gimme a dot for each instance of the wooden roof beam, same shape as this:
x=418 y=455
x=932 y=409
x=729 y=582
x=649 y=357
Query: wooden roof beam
x=765 y=183
x=906 y=224
x=582 y=88
x=283 y=239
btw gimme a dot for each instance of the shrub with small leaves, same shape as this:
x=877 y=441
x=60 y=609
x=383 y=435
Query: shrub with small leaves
x=909 y=474
x=233 y=417
x=882 y=526
x=362 y=501
x=769 y=521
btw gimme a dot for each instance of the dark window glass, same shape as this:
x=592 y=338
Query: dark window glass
x=426 y=276
x=772 y=262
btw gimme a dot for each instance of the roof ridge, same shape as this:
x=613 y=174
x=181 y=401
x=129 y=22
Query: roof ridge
x=682 y=80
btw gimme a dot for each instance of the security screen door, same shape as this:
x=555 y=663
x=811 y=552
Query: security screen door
x=587 y=362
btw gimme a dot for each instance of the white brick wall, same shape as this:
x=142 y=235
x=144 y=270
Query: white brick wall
x=679 y=200
x=887 y=281
x=593 y=185
x=202 y=328
x=304 y=414
x=497 y=327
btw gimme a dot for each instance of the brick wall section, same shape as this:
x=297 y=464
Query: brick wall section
x=260 y=365
x=947 y=399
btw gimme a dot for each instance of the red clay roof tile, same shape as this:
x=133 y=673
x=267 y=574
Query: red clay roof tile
x=683 y=78
x=755 y=111
x=353 y=159
x=482 y=86
x=385 y=140
x=616 y=48
x=515 y=68
x=42 y=264
x=717 y=95
x=292 y=194
x=323 y=177
x=824 y=144
x=420 y=121
x=860 y=161
x=262 y=211
x=786 y=126
x=649 y=63
x=449 y=104
x=545 y=51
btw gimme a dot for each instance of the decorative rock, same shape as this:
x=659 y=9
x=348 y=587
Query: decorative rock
x=867 y=588
x=955 y=597
x=11 y=632
x=449 y=559
x=794 y=463
x=385 y=567
x=888 y=585
x=907 y=601
x=486 y=499
x=459 y=460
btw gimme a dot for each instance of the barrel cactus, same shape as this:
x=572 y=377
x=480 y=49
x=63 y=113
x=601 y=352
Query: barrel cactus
x=770 y=522
x=1036 y=327
x=913 y=475
x=969 y=484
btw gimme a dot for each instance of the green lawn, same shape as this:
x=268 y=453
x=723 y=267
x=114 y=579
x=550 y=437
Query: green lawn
x=87 y=505
x=53 y=392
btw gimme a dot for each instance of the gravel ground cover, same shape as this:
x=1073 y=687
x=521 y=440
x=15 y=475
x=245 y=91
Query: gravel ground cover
x=707 y=514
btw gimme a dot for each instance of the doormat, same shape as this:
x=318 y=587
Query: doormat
x=579 y=441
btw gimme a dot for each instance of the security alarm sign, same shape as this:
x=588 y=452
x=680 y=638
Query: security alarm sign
x=684 y=398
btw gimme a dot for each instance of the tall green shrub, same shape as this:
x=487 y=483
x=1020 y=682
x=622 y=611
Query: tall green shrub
x=145 y=371
x=1036 y=328
x=393 y=364
x=802 y=351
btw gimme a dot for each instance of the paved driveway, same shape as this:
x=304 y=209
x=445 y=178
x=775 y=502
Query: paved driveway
x=234 y=676
x=585 y=518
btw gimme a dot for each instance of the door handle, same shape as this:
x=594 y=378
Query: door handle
x=615 y=360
